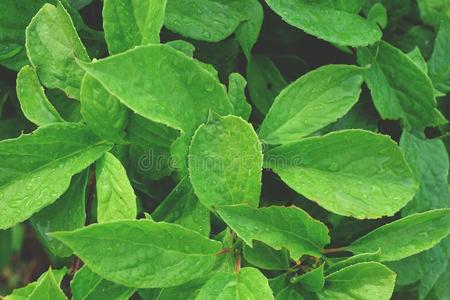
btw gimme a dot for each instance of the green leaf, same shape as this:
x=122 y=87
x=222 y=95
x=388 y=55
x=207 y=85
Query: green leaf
x=430 y=165
x=225 y=162
x=265 y=82
x=350 y=172
x=359 y=117
x=150 y=144
x=182 y=46
x=115 y=195
x=53 y=45
x=248 y=283
x=205 y=20
x=312 y=281
x=264 y=257
x=313 y=101
x=441 y=289
x=407 y=236
x=359 y=282
x=187 y=291
x=439 y=69
x=378 y=14
x=190 y=84
x=289 y=293
x=433 y=12
x=185 y=105
x=28 y=185
x=33 y=101
x=425 y=269
x=182 y=207
x=236 y=94
x=429 y=162
x=399 y=88
x=103 y=112
x=355 y=259
x=247 y=32
x=416 y=56
x=142 y=253
x=328 y=21
x=23 y=293
x=14 y=17
x=132 y=23
x=278 y=227
x=86 y=285
x=67 y=213
x=48 y=289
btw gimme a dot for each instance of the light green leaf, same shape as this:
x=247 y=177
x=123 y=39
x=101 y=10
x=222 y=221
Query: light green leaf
x=182 y=207
x=33 y=101
x=115 y=195
x=142 y=253
x=53 y=45
x=264 y=257
x=328 y=21
x=313 y=101
x=47 y=289
x=248 y=284
x=407 y=236
x=225 y=162
x=438 y=64
x=399 y=88
x=362 y=281
x=355 y=259
x=103 y=112
x=67 y=213
x=28 y=185
x=24 y=292
x=132 y=23
x=350 y=172
x=265 y=82
x=182 y=46
x=176 y=91
x=278 y=227
x=236 y=94
x=205 y=20
x=86 y=285
x=351 y=6
x=430 y=165
x=185 y=105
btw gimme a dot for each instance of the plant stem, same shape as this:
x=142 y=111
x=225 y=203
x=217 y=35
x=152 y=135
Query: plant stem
x=334 y=250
